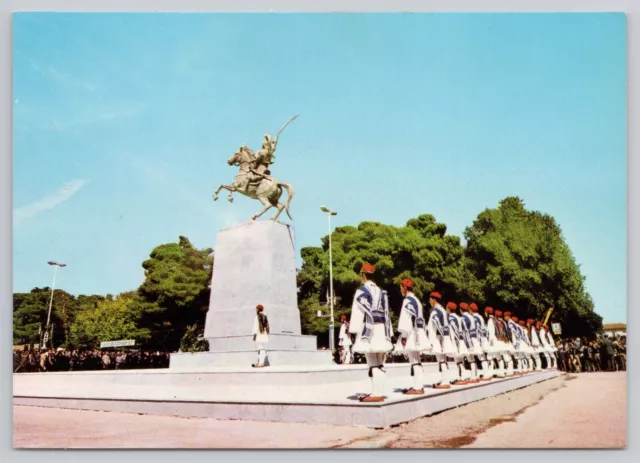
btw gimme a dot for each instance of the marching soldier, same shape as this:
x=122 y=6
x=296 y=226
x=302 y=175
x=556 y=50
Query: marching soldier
x=486 y=359
x=528 y=353
x=535 y=343
x=439 y=335
x=507 y=347
x=516 y=354
x=496 y=346
x=544 y=348
x=549 y=345
x=260 y=335
x=413 y=337
x=371 y=323
x=462 y=374
x=471 y=331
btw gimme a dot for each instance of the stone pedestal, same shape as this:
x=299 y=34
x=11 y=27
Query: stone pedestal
x=254 y=263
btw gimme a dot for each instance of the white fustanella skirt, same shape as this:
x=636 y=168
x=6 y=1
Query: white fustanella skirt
x=377 y=344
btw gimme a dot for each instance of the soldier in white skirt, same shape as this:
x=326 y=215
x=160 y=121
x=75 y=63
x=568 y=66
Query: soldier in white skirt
x=371 y=323
x=496 y=346
x=544 y=347
x=528 y=350
x=486 y=374
x=507 y=350
x=535 y=344
x=344 y=341
x=550 y=346
x=471 y=333
x=260 y=335
x=413 y=336
x=439 y=336
x=462 y=374
x=516 y=342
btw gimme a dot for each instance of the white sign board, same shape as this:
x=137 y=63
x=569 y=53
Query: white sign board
x=555 y=327
x=122 y=343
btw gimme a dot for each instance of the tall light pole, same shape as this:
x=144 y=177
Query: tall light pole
x=55 y=270
x=331 y=321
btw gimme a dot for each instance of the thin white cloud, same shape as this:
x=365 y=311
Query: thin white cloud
x=48 y=202
x=64 y=79
x=93 y=117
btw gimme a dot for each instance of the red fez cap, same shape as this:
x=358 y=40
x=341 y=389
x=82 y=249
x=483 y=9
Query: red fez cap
x=464 y=306
x=473 y=306
x=435 y=295
x=259 y=307
x=407 y=283
x=367 y=268
x=507 y=314
x=498 y=313
x=546 y=327
x=538 y=323
x=451 y=305
x=514 y=318
x=488 y=310
x=521 y=322
x=343 y=317
x=530 y=320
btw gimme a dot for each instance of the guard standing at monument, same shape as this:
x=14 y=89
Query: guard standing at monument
x=439 y=335
x=371 y=323
x=260 y=335
x=344 y=341
x=413 y=336
x=485 y=358
x=462 y=374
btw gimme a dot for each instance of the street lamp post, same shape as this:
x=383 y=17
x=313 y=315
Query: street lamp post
x=55 y=270
x=331 y=320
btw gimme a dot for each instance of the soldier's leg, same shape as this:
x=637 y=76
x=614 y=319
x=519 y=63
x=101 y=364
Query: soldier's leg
x=416 y=371
x=443 y=368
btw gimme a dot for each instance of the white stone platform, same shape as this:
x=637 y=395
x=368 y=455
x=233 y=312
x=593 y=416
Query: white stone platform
x=318 y=395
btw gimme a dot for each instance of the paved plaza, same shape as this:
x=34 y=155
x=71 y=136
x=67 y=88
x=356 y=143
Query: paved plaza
x=586 y=410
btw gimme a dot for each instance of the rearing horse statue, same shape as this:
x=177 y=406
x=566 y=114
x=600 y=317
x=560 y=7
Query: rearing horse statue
x=256 y=185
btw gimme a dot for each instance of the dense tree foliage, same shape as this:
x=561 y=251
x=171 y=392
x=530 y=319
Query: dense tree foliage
x=110 y=320
x=174 y=295
x=420 y=250
x=513 y=259
x=523 y=263
x=176 y=290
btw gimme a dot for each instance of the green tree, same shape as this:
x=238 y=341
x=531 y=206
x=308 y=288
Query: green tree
x=30 y=315
x=521 y=261
x=420 y=250
x=110 y=320
x=175 y=292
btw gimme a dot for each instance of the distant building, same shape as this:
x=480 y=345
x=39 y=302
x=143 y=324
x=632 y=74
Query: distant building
x=619 y=329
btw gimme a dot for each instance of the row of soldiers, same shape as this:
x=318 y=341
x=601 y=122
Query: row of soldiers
x=498 y=343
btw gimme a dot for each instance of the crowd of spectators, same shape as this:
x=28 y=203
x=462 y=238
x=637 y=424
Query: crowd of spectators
x=606 y=353
x=41 y=360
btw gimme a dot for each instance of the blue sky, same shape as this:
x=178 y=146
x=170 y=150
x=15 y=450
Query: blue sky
x=123 y=124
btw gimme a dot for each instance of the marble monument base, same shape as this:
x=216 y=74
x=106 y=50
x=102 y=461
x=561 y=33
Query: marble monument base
x=254 y=263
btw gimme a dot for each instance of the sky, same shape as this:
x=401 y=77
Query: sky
x=123 y=124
